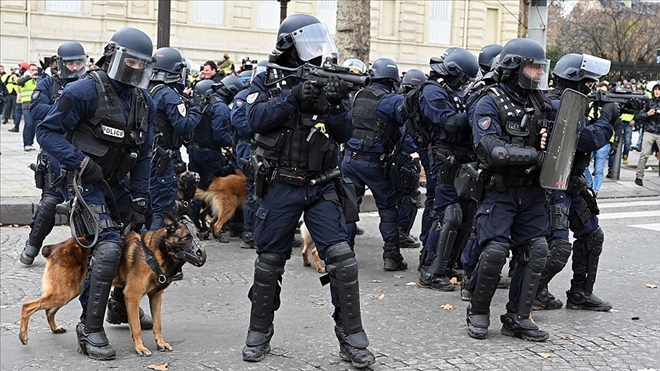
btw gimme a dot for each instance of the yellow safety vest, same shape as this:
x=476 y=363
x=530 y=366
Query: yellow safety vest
x=27 y=89
x=10 y=83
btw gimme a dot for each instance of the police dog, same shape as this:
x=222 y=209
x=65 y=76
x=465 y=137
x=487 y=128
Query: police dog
x=222 y=197
x=66 y=266
x=307 y=242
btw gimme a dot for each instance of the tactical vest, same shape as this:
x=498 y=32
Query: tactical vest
x=301 y=144
x=106 y=137
x=203 y=133
x=163 y=125
x=56 y=89
x=368 y=127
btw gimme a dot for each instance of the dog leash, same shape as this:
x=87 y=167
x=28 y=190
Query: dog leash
x=153 y=263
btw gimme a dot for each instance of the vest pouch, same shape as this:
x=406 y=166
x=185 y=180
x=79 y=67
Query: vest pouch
x=319 y=145
x=84 y=139
x=269 y=145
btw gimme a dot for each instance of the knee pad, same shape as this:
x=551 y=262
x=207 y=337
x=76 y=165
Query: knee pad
x=106 y=260
x=537 y=254
x=268 y=267
x=453 y=216
x=558 y=252
x=595 y=241
x=492 y=258
x=340 y=262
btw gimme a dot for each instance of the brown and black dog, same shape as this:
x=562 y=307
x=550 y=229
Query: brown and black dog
x=66 y=265
x=307 y=242
x=222 y=197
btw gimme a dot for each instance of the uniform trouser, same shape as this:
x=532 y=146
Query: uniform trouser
x=162 y=194
x=243 y=152
x=427 y=215
x=511 y=218
x=371 y=174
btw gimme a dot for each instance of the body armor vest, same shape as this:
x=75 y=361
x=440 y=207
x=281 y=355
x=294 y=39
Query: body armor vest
x=107 y=138
x=301 y=144
x=56 y=89
x=368 y=127
x=203 y=133
x=163 y=125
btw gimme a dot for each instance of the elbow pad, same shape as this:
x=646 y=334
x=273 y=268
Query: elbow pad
x=494 y=152
x=457 y=123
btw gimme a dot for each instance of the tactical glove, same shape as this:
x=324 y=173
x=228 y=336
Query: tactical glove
x=306 y=92
x=336 y=90
x=137 y=217
x=610 y=112
x=91 y=171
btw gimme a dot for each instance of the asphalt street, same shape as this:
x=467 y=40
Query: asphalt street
x=205 y=316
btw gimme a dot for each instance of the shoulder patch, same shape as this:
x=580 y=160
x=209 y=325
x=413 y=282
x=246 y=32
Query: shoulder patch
x=35 y=94
x=182 y=109
x=252 y=97
x=484 y=123
x=239 y=102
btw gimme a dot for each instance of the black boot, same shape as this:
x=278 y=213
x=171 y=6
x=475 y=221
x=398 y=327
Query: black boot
x=522 y=327
x=434 y=282
x=579 y=299
x=393 y=261
x=546 y=301
x=360 y=357
x=466 y=294
x=257 y=345
x=477 y=323
x=117 y=311
x=29 y=253
x=95 y=345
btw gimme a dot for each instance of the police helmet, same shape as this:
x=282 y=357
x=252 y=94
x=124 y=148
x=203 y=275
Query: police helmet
x=229 y=86
x=246 y=77
x=457 y=68
x=71 y=60
x=203 y=88
x=412 y=79
x=650 y=85
x=523 y=65
x=169 y=67
x=383 y=70
x=303 y=38
x=487 y=54
x=127 y=58
x=580 y=71
x=356 y=66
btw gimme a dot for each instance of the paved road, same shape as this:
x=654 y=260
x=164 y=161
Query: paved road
x=205 y=315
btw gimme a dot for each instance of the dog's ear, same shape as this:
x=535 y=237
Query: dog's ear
x=170 y=222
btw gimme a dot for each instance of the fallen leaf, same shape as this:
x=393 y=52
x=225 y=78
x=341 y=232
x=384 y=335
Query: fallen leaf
x=375 y=281
x=162 y=367
x=398 y=276
x=454 y=281
x=380 y=297
x=531 y=318
x=568 y=337
x=544 y=355
x=322 y=307
x=651 y=286
x=447 y=307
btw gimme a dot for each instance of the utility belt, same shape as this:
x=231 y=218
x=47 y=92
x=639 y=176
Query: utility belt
x=298 y=178
x=373 y=158
x=445 y=153
x=499 y=181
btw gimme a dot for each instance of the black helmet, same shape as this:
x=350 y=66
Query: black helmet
x=229 y=86
x=384 y=69
x=71 y=60
x=457 y=68
x=412 y=79
x=127 y=57
x=487 y=54
x=518 y=54
x=579 y=71
x=303 y=38
x=169 y=67
x=246 y=77
x=203 y=88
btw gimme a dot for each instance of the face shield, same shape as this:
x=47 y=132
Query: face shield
x=257 y=70
x=130 y=67
x=314 y=41
x=534 y=74
x=72 y=67
x=594 y=66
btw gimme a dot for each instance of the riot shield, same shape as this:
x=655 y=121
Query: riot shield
x=560 y=152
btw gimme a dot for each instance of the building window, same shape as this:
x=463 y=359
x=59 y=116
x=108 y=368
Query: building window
x=64 y=6
x=327 y=13
x=210 y=12
x=268 y=14
x=493 y=25
x=440 y=22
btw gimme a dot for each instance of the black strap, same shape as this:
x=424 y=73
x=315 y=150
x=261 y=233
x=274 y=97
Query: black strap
x=153 y=263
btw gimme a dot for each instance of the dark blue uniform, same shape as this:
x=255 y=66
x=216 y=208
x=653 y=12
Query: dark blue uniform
x=175 y=122
x=409 y=198
x=363 y=163
x=245 y=136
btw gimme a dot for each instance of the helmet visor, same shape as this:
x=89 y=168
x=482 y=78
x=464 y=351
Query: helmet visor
x=131 y=67
x=314 y=41
x=72 y=67
x=534 y=74
x=595 y=66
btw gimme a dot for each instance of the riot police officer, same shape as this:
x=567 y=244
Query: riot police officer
x=72 y=64
x=174 y=125
x=486 y=56
x=101 y=132
x=576 y=208
x=512 y=210
x=445 y=118
x=297 y=126
x=368 y=154
x=243 y=150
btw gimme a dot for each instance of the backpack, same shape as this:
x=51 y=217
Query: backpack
x=413 y=118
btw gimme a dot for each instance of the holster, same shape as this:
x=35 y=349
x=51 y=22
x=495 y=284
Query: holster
x=39 y=174
x=162 y=159
x=261 y=176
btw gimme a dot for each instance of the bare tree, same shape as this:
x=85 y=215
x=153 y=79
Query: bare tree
x=353 y=29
